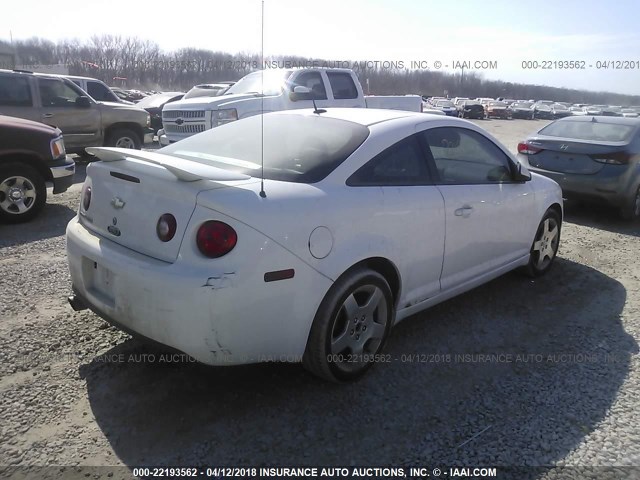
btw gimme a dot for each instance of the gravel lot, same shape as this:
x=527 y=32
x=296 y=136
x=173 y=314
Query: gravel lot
x=516 y=372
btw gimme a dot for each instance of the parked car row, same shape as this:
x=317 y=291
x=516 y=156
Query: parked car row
x=525 y=109
x=276 y=90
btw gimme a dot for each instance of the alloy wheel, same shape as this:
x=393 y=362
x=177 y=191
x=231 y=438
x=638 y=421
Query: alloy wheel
x=546 y=243
x=360 y=325
x=17 y=195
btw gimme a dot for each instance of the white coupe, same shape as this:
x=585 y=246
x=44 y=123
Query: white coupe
x=303 y=235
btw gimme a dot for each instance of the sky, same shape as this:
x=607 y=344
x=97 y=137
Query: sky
x=507 y=32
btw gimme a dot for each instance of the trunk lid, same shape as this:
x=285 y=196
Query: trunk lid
x=130 y=190
x=568 y=156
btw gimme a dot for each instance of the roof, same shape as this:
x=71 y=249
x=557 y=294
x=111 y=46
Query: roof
x=633 y=122
x=363 y=116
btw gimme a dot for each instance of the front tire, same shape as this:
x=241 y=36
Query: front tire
x=545 y=244
x=350 y=327
x=23 y=193
x=124 y=138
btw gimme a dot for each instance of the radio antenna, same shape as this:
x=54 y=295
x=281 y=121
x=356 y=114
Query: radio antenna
x=263 y=194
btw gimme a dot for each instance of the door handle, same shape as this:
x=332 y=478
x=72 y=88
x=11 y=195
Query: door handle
x=47 y=115
x=464 y=211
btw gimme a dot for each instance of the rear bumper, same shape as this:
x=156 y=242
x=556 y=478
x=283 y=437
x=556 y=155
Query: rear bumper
x=63 y=175
x=609 y=185
x=219 y=315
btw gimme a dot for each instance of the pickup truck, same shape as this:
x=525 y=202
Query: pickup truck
x=275 y=90
x=31 y=154
x=60 y=103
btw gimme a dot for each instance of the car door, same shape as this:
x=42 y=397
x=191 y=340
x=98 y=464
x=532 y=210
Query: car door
x=61 y=108
x=16 y=97
x=486 y=211
x=314 y=81
x=412 y=215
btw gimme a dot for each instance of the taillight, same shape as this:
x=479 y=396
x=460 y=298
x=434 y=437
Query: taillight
x=616 y=158
x=215 y=239
x=86 y=198
x=166 y=227
x=527 y=149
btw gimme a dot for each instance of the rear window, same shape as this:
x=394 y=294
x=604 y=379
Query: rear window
x=342 y=86
x=297 y=148
x=15 y=92
x=595 y=131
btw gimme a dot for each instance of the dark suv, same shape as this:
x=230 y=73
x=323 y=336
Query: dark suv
x=31 y=154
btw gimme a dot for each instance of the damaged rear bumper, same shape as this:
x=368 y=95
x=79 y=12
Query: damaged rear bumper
x=218 y=314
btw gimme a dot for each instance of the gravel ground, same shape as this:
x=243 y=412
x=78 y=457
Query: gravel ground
x=516 y=372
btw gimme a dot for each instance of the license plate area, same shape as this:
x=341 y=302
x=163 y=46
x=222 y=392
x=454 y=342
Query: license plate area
x=99 y=281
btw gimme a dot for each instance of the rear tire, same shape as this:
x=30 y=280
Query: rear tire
x=632 y=211
x=545 y=245
x=23 y=193
x=124 y=138
x=350 y=327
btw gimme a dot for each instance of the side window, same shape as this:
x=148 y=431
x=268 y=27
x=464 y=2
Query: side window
x=14 y=91
x=56 y=93
x=99 y=92
x=463 y=156
x=400 y=164
x=342 y=85
x=313 y=81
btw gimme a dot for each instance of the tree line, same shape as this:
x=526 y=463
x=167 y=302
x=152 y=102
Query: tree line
x=142 y=64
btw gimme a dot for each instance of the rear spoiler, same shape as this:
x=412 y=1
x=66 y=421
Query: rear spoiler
x=184 y=170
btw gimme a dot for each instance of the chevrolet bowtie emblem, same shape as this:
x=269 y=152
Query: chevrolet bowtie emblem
x=117 y=203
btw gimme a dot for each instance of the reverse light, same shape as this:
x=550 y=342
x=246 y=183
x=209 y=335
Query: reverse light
x=57 y=147
x=166 y=227
x=226 y=115
x=215 y=239
x=86 y=198
x=527 y=149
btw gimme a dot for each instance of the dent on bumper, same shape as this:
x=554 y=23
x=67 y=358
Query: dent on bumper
x=218 y=319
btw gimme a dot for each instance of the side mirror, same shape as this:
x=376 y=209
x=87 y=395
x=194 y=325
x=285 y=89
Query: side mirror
x=300 y=93
x=83 y=102
x=522 y=174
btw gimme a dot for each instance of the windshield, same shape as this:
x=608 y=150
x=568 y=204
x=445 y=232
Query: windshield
x=559 y=106
x=297 y=148
x=497 y=104
x=253 y=83
x=523 y=104
x=444 y=103
x=596 y=131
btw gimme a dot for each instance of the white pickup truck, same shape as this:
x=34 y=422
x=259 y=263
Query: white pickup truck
x=281 y=89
